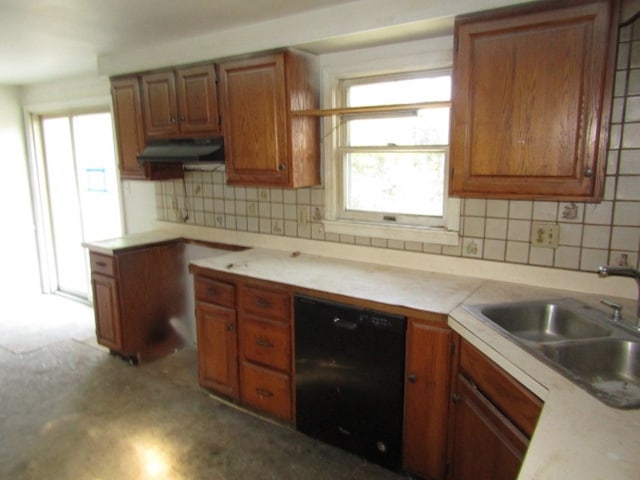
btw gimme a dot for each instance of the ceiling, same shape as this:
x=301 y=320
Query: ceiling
x=48 y=40
x=42 y=40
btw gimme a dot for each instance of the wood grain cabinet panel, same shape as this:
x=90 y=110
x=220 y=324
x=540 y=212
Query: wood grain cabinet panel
x=532 y=93
x=129 y=128
x=493 y=417
x=244 y=341
x=181 y=103
x=266 y=342
x=136 y=293
x=217 y=349
x=427 y=370
x=107 y=311
x=265 y=145
x=267 y=390
x=486 y=445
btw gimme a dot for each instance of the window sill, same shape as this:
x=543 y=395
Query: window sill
x=440 y=235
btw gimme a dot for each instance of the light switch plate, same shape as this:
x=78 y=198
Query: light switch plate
x=545 y=234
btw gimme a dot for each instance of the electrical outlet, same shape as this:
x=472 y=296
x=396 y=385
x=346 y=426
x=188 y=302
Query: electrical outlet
x=545 y=234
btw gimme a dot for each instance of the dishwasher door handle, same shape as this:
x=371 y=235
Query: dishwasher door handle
x=346 y=324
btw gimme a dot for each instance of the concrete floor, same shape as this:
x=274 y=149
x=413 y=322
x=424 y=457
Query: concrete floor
x=69 y=410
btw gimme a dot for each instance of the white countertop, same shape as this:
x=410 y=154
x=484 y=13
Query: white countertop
x=433 y=292
x=577 y=437
x=111 y=245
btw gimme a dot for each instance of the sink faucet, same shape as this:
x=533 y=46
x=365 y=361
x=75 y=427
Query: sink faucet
x=605 y=271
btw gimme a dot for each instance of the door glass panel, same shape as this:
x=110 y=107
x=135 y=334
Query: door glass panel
x=66 y=226
x=82 y=193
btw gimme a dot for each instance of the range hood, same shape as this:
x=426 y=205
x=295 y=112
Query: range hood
x=183 y=150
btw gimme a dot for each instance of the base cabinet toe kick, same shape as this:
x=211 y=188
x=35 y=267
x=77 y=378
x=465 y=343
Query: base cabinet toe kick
x=397 y=388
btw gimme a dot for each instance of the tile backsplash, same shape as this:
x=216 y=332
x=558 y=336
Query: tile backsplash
x=496 y=230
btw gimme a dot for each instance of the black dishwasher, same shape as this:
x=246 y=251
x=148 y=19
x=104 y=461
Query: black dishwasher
x=350 y=378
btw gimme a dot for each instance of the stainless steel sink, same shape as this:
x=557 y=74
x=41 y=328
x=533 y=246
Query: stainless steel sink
x=543 y=321
x=610 y=368
x=576 y=340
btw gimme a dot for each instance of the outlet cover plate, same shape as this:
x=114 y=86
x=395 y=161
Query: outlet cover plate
x=545 y=234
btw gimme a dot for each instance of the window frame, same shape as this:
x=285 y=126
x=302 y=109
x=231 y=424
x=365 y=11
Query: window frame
x=335 y=221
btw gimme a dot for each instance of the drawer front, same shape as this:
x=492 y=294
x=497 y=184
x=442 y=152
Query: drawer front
x=266 y=390
x=213 y=291
x=266 y=342
x=516 y=402
x=103 y=264
x=273 y=304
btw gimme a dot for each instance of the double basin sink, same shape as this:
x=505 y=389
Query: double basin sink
x=578 y=341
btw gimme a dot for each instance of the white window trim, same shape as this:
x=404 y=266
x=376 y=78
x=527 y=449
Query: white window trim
x=433 y=54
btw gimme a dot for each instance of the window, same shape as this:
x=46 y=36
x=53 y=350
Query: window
x=390 y=158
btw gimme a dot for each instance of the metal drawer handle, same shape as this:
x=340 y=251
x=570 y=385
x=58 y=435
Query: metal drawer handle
x=264 y=393
x=263 y=342
x=101 y=264
x=261 y=302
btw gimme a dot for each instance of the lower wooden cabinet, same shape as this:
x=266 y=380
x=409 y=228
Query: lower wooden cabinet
x=493 y=418
x=136 y=292
x=464 y=417
x=426 y=402
x=486 y=445
x=244 y=341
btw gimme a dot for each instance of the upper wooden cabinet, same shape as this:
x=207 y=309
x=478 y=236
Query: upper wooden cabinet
x=127 y=112
x=532 y=93
x=180 y=103
x=265 y=144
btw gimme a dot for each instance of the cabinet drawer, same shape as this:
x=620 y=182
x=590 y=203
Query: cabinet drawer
x=265 y=342
x=273 y=304
x=104 y=264
x=214 y=291
x=266 y=390
x=514 y=400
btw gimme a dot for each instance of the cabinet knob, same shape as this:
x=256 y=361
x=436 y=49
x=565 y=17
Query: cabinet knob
x=182 y=118
x=456 y=397
x=413 y=378
x=281 y=167
x=588 y=172
x=172 y=119
x=230 y=327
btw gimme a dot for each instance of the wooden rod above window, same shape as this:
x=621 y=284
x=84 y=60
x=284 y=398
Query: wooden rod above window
x=327 y=112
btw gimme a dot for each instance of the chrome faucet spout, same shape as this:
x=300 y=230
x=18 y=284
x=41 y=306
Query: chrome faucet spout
x=610 y=270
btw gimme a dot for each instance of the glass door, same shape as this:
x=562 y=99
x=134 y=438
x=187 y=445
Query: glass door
x=81 y=194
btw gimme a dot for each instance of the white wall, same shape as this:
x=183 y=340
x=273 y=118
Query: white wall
x=138 y=205
x=18 y=254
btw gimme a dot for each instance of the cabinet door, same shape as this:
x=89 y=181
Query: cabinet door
x=217 y=349
x=107 y=311
x=532 y=100
x=160 y=107
x=254 y=121
x=486 y=446
x=426 y=399
x=197 y=100
x=127 y=112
